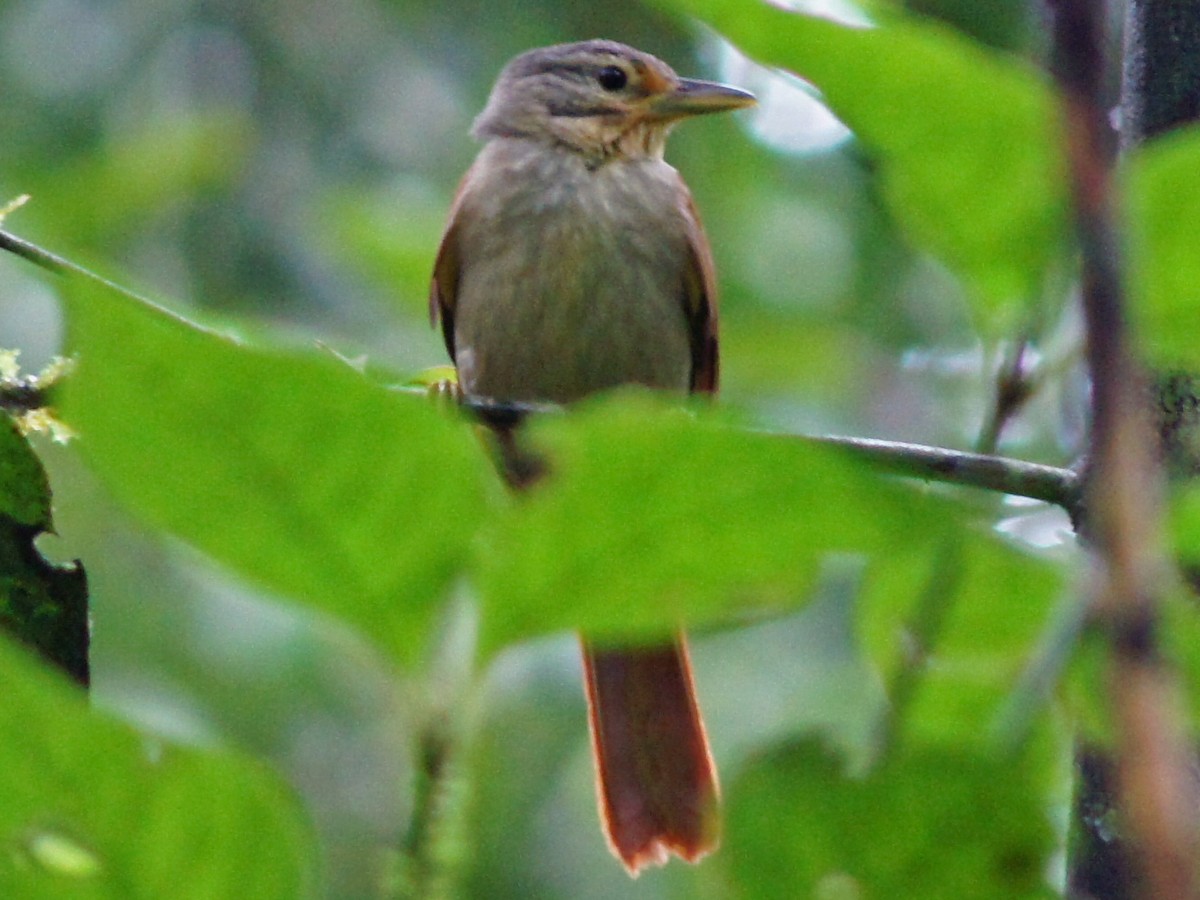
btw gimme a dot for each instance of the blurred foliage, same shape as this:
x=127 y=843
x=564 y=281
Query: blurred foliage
x=94 y=809
x=41 y=604
x=798 y=825
x=272 y=534
x=1164 y=210
x=239 y=425
x=24 y=489
x=996 y=216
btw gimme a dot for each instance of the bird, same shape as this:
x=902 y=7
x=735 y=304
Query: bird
x=574 y=261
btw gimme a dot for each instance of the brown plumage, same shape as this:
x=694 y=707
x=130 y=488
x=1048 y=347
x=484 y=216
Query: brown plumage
x=574 y=261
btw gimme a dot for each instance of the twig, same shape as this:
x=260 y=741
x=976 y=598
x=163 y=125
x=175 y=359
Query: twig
x=1049 y=484
x=993 y=473
x=505 y=413
x=1122 y=491
x=425 y=875
x=55 y=264
x=1014 y=387
x=431 y=851
x=922 y=631
x=34 y=253
x=23 y=394
x=1041 y=674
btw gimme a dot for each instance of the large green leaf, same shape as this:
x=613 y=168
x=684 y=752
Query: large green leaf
x=292 y=469
x=986 y=607
x=1164 y=216
x=649 y=518
x=932 y=823
x=93 y=810
x=966 y=138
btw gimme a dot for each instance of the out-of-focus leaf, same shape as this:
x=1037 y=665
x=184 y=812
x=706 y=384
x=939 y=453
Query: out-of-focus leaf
x=932 y=823
x=966 y=138
x=24 y=491
x=1184 y=522
x=391 y=236
x=91 y=810
x=293 y=470
x=1182 y=630
x=1087 y=683
x=1181 y=637
x=1164 y=217
x=994 y=603
x=650 y=518
x=42 y=604
x=140 y=174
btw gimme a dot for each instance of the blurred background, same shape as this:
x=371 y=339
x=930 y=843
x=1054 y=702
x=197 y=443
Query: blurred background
x=284 y=169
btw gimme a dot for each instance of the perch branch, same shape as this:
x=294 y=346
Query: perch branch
x=994 y=473
x=1049 y=484
x=980 y=470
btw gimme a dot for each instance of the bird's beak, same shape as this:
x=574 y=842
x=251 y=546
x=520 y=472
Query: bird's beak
x=692 y=98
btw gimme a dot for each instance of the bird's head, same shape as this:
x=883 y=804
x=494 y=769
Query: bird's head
x=600 y=98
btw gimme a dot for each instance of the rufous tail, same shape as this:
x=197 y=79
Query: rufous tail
x=656 y=781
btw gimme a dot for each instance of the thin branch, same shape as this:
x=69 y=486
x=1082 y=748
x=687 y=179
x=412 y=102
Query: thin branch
x=1049 y=484
x=431 y=851
x=29 y=399
x=1122 y=490
x=935 y=603
x=426 y=874
x=1013 y=389
x=34 y=254
x=1041 y=674
x=923 y=629
x=993 y=473
x=505 y=413
x=55 y=264
x=23 y=394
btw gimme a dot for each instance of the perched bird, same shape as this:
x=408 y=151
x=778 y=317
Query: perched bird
x=574 y=261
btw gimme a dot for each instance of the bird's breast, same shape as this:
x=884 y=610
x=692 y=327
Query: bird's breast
x=571 y=280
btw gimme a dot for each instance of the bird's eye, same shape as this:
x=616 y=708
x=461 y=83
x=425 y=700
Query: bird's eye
x=612 y=78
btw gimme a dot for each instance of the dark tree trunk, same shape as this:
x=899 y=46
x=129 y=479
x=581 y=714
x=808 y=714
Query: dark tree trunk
x=1161 y=72
x=1160 y=91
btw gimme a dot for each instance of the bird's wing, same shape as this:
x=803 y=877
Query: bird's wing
x=443 y=289
x=700 y=302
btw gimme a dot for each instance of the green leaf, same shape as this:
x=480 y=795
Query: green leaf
x=292 y=469
x=1184 y=522
x=1164 y=216
x=93 y=810
x=24 y=490
x=966 y=138
x=1181 y=629
x=993 y=603
x=1181 y=640
x=933 y=823
x=42 y=604
x=650 y=518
